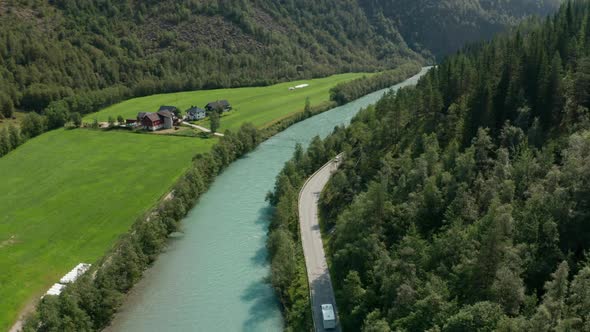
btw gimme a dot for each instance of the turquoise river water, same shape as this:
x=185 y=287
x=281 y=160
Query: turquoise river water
x=213 y=276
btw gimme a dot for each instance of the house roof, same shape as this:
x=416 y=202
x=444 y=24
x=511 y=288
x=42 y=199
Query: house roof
x=167 y=108
x=140 y=115
x=195 y=110
x=166 y=114
x=152 y=117
x=213 y=104
x=218 y=104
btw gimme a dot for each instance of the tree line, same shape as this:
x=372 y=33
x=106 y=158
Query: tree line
x=349 y=91
x=462 y=203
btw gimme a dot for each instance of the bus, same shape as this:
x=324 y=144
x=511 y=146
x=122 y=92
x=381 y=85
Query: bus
x=328 y=317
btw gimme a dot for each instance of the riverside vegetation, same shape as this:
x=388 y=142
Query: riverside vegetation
x=462 y=203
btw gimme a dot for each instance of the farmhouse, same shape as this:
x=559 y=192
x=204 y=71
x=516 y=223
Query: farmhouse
x=155 y=121
x=220 y=106
x=167 y=118
x=195 y=113
x=151 y=121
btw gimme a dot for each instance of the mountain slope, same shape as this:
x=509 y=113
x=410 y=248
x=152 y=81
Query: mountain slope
x=461 y=204
x=441 y=27
x=52 y=50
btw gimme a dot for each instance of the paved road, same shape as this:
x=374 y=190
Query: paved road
x=318 y=275
x=207 y=130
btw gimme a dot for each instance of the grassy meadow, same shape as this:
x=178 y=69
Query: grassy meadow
x=258 y=105
x=68 y=194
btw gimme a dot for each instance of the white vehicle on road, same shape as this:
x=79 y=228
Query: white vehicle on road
x=328 y=317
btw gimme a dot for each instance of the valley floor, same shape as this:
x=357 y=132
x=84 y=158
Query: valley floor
x=70 y=194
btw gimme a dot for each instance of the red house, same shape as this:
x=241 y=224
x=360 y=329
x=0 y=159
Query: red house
x=152 y=121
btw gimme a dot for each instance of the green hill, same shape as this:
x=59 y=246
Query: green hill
x=51 y=50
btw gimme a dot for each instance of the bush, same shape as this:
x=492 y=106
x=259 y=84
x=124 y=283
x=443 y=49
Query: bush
x=6 y=105
x=33 y=125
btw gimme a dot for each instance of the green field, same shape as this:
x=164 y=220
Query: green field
x=67 y=195
x=259 y=105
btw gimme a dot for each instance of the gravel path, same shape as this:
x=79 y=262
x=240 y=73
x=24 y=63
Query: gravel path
x=207 y=130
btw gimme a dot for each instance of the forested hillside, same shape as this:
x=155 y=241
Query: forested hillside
x=440 y=27
x=462 y=204
x=94 y=53
x=57 y=49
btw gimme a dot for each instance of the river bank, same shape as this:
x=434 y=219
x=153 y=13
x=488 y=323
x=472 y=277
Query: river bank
x=214 y=276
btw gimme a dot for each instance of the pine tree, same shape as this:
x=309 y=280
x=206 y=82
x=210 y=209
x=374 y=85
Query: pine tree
x=495 y=244
x=307 y=109
x=508 y=290
x=352 y=299
x=214 y=121
x=579 y=298
x=553 y=307
x=6 y=105
x=554 y=93
x=76 y=119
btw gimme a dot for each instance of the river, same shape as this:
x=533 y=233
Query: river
x=212 y=277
